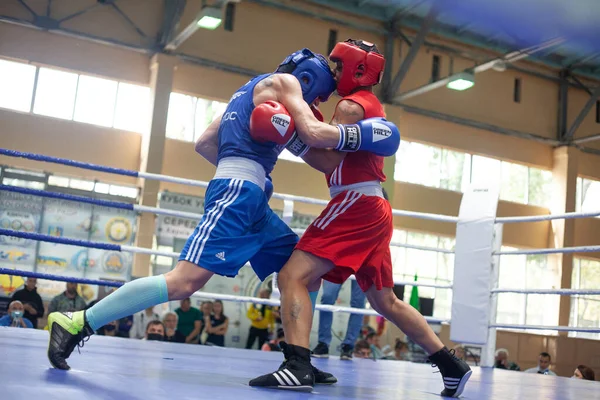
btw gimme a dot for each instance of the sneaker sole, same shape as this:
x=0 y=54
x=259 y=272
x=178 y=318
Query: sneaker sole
x=302 y=388
x=462 y=383
x=346 y=358
x=320 y=355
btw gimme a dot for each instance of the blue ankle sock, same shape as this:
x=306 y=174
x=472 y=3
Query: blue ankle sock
x=132 y=297
x=313 y=299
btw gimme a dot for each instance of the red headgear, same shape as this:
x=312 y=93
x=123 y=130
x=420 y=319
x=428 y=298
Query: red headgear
x=357 y=57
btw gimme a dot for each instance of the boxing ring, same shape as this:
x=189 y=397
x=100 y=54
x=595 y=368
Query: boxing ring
x=123 y=369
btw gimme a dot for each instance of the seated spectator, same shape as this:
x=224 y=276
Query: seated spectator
x=502 y=361
x=205 y=310
x=585 y=373
x=140 y=322
x=109 y=329
x=67 y=301
x=216 y=325
x=362 y=349
x=155 y=330
x=273 y=345
x=16 y=316
x=543 y=366
x=373 y=341
x=32 y=302
x=189 y=321
x=171 y=332
x=401 y=351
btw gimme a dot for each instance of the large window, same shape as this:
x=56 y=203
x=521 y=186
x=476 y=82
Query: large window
x=16 y=85
x=588 y=195
x=446 y=169
x=585 y=310
x=527 y=272
x=428 y=266
x=67 y=95
x=189 y=116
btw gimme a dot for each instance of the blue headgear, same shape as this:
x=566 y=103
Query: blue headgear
x=313 y=73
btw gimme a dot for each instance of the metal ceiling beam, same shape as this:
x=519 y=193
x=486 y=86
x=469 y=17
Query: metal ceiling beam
x=507 y=58
x=389 y=57
x=563 y=96
x=189 y=30
x=128 y=20
x=584 y=112
x=580 y=84
x=33 y=14
x=173 y=10
x=589 y=150
x=587 y=139
x=414 y=50
x=478 y=125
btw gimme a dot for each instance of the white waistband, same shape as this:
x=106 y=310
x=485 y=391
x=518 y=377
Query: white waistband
x=370 y=188
x=241 y=168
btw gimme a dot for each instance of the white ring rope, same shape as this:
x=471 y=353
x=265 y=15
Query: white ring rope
x=546 y=328
x=577 y=249
x=563 y=292
x=536 y=218
x=276 y=303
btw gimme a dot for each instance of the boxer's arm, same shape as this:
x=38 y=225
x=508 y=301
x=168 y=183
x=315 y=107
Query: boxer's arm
x=326 y=161
x=207 y=144
x=310 y=130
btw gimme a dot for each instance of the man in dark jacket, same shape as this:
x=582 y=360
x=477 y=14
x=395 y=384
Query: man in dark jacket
x=32 y=302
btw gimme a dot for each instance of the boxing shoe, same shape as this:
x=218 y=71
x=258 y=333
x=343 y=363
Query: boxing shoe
x=296 y=372
x=66 y=330
x=455 y=372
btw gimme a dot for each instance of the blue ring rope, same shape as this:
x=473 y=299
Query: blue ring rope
x=16 y=272
x=65 y=161
x=60 y=240
x=63 y=196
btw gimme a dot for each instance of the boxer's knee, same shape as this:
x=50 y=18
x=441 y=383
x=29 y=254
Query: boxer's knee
x=303 y=268
x=185 y=279
x=383 y=301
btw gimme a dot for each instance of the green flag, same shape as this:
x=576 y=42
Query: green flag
x=414 y=296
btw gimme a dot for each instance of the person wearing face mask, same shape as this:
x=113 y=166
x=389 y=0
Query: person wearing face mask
x=15 y=317
x=109 y=329
x=155 y=331
x=585 y=373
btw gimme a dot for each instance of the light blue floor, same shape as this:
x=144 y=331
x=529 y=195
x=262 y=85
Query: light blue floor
x=127 y=369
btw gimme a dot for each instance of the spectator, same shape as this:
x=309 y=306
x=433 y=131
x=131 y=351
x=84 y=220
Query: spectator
x=205 y=310
x=216 y=325
x=585 y=373
x=543 y=366
x=362 y=349
x=401 y=351
x=274 y=345
x=171 y=332
x=67 y=301
x=15 y=317
x=502 y=361
x=331 y=292
x=32 y=302
x=189 y=321
x=155 y=330
x=110 y=329
x=373 y=341
x=140 y=322
x=261 y=319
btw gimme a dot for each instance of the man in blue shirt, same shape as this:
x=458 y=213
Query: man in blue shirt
x=15 y=318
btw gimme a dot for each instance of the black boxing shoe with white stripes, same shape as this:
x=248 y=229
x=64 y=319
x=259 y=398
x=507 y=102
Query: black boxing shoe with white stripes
x=455 y=372
x=296 y=373
x=321 y=377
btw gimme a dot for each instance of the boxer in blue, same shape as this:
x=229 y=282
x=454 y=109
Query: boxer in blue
x=238 y=226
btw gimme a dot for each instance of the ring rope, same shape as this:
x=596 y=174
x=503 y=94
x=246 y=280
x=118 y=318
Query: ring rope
x=546 y=328
x=576 y=249
x=100 y=202
x=536 y=218
x=191 y=182
x=204 y=295
x=142 y=250
x=562 y=292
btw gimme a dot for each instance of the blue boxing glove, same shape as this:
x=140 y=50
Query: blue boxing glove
x=376 y=135
x=268 y=187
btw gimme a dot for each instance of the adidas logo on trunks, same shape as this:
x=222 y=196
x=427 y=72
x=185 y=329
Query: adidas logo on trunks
x=220 y=255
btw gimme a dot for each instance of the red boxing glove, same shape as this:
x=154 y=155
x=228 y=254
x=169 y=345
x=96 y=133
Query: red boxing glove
x=271 y=122
x=317 y=113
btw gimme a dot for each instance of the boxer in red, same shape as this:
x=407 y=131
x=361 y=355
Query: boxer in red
x=352 y=235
